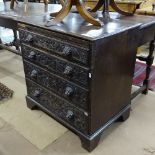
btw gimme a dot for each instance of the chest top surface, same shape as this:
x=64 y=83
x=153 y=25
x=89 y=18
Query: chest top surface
x=36 y=14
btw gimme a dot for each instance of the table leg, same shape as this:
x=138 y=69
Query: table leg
x=85 y=14
x=117 y=9
x=15 y=41
x=1 y=43
x=98 y=5
x=149 y=62
x=12 y=4
x=45 y=2
x=113 y=4
x=61 y=14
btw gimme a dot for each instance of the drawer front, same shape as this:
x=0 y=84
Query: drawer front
x=54 y=46
x=58 y=66
x=63 y=88
x=59 y=107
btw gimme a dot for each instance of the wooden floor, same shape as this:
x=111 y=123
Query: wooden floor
x=19 y=135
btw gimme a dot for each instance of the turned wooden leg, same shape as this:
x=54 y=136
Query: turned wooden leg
x=117 y=9
x=45 y=2
x=99 y=4
x=15 y=42
x=62 y=2
x=54 y=14
x=12 y=4
x=124 y=116
x=85 y=14
x=149 y=62
x=105 y=13
x=90 y=145
x=31 y=105
x=1 y=43
x=61 y=14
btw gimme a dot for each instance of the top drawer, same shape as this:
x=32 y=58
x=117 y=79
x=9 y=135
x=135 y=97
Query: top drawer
x=55 y=46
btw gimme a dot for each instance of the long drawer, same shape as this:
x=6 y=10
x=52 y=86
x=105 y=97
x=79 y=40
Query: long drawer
x=71 y=92
x=59 y=107
x=54 y=46
x=70 y=71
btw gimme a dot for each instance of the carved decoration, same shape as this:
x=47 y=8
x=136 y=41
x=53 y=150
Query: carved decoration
x=79 y=74
x=54 y=46
x=58 y=107
x=67 y=90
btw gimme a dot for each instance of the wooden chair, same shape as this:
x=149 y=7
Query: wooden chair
x=147 y=8
x=127 y=5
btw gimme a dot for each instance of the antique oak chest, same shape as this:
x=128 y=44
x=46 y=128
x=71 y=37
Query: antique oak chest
x=81 y=75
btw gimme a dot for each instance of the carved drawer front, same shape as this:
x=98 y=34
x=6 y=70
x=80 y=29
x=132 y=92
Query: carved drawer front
x=54 y=46
x=69 y=91
x=59 y=107
x=59 y=66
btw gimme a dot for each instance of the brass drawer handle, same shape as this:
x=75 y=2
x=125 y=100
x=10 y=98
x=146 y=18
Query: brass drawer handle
x=68 y=71
x=34 y=73
x=69 y=91
x=29 y=39
x=37 y=93
x=70 y=115
x=32 y=55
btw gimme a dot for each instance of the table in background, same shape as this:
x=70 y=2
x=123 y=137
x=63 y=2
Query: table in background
x=9 y=18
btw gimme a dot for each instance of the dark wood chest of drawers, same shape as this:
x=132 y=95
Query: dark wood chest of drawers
x=83 y=82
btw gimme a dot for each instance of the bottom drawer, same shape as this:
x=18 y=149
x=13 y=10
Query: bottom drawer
x=58 y=107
